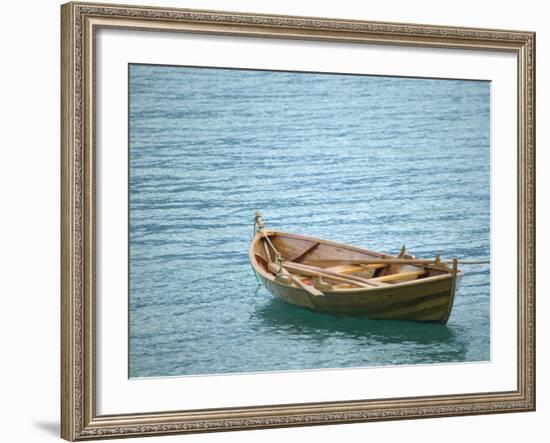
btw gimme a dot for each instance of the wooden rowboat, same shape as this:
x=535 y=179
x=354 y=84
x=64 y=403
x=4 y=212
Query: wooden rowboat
x=329 y=277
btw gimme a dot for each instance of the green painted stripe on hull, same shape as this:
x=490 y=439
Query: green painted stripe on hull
x=374 y=305
x=432 y=308
x=413 y=314
x=441 y=298
x=376 y=308
x=387 y=296
x=434 y=313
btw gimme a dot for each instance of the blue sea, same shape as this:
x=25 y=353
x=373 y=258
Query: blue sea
x=377 y=162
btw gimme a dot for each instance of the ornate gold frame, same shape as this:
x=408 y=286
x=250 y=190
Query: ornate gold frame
x=79 y=21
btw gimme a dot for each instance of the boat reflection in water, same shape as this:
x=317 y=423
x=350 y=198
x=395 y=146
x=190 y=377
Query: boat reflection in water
x=380 y=342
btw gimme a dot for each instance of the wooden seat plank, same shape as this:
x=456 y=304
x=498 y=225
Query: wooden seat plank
x=302 y=254
x=350 y=269
x=403 y=276
x=344 y=278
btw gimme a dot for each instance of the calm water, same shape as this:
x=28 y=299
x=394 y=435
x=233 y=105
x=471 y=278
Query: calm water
x=373 y=161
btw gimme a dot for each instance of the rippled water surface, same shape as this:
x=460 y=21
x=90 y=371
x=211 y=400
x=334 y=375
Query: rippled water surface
x=373 y=161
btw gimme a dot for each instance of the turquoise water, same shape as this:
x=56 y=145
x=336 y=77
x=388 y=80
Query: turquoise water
x=372 y=161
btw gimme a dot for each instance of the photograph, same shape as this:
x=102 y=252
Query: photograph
x=290 y=221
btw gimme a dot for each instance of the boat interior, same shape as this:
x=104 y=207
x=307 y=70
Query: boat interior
x=332 y=266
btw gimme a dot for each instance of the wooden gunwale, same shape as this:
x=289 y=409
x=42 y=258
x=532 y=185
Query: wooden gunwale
x=270 y=232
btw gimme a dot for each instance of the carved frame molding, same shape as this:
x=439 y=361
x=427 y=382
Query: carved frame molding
x=79 y=24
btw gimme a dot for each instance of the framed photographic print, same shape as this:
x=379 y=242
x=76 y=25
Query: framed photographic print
x=283 y=221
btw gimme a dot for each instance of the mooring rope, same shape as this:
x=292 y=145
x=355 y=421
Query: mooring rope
x=471 y=262
x=257 y=278
x=259 y=227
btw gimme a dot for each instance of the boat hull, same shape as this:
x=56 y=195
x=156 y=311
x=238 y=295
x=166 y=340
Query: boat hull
x=426 y=299
x=426 y=302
